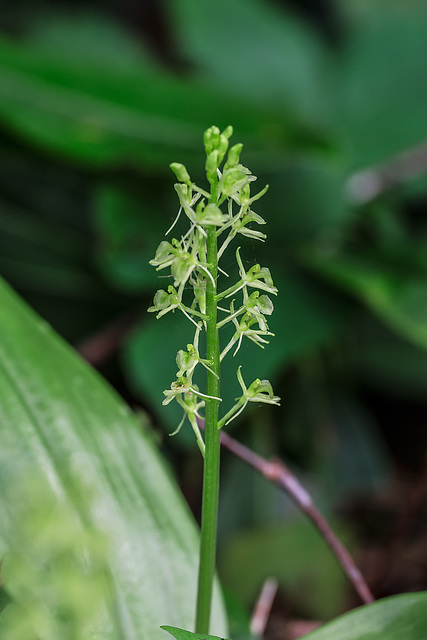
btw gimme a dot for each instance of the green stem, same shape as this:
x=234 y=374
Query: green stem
x=212 y=449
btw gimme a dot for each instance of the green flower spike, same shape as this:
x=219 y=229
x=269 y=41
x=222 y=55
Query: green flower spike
x=216 y=214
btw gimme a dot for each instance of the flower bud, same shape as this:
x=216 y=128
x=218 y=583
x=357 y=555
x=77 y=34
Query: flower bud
x=211 y=166
x=233 y=157
x=210 y=139
x=222 y=147
x=228 y=131
x=181 y=173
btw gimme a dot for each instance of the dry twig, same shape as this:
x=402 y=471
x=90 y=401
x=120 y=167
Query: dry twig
x=263 y=606
x=367 y=184
x=278 y=473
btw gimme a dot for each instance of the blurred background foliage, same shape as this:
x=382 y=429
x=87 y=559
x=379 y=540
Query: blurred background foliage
x=330 y=101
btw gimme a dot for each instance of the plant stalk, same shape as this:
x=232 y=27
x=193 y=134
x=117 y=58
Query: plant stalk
x=212 y=451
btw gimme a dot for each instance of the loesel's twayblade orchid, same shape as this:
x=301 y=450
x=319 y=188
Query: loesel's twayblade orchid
x=225 y=207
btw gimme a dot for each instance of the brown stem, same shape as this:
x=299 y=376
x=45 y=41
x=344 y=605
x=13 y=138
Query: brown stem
x=367 y=184
x=263 y=606
x=278 y=473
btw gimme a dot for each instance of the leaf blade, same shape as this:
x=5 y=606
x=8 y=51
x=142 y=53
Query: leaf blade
x=61 y=418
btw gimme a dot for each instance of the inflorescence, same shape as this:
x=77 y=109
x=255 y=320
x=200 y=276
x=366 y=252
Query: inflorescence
x=227 y=207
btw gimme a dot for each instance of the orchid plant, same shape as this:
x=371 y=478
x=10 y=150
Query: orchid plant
x=216 y=216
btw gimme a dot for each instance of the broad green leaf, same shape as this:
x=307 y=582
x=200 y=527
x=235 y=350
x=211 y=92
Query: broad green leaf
x=92 y=461
x=305 y=203
x=396 y=293
x=269 y=57
x=99 y=114
x=182 y=634
x=82 y=34
x=402 y=617
x=379 y=99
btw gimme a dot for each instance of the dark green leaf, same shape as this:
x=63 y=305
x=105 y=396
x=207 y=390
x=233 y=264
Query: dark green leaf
x=269 y=57
x=379 y=100
x=97 y=114
x=394 y=292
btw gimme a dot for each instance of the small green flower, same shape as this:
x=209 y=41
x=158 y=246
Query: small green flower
x=245 y=195
x=169 y=301
x=164 y=301
x=210 y=214
x=182 y=385
x=258 y=307
x=189 y=402
x=164 y=255
x=254 y=305
x=178 y=386
x=244 y=328
x=188 y=360
x=241 y=226
x=259 y=277
x=258 y=391
x=234 y=179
